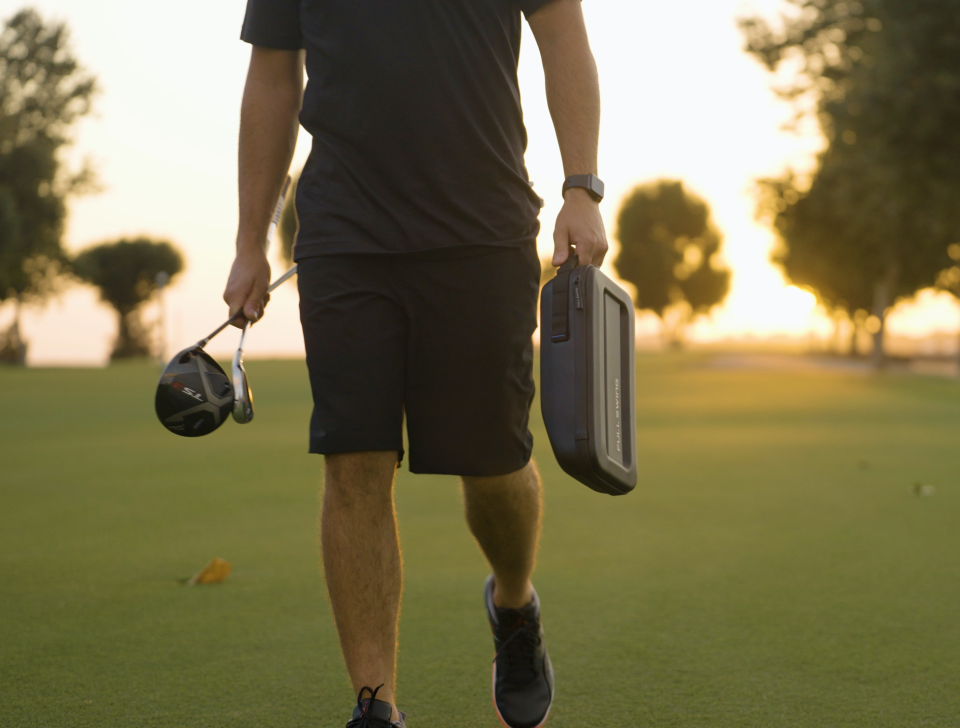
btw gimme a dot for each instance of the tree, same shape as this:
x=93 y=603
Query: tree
x=877 y=217
x=668 y=251
x=43 y=91
x=126 y=274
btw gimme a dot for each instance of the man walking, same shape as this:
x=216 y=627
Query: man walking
x=418 y=285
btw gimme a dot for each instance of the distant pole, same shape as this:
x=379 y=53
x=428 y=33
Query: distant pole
x=162 y=279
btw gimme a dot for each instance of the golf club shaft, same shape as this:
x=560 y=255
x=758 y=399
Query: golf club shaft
x=243 y=336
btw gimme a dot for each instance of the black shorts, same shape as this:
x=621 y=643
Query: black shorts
x=443 y=337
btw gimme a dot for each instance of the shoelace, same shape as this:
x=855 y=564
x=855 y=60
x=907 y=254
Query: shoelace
x=365 y=720
x=523 y=643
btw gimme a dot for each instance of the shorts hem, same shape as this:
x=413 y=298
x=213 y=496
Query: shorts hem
x=329 y=448
x=471 y=472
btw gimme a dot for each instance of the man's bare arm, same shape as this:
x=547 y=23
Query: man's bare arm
x=573 y=94
x=268 y=135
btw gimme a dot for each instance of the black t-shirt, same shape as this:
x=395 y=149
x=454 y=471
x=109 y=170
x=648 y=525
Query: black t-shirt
x=414 y=109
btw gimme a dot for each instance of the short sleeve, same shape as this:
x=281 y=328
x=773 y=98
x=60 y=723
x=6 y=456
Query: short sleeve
x=273 y=24
x=529 y=7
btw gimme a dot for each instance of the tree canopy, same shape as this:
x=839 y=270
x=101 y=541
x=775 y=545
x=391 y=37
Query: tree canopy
x=126 y=271
x=668 y=250
x=875 y=221
x=43 y=91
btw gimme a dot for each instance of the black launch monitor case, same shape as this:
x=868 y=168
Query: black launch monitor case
x=587 y=377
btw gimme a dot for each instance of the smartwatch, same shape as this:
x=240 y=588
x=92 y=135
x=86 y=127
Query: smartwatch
x=590 y=182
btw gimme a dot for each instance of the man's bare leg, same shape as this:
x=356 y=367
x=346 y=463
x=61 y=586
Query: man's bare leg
x=361 y=561
x=503 y=513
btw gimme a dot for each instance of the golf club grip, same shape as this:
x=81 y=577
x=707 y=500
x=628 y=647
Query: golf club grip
x=283 y=196
x=278 y=211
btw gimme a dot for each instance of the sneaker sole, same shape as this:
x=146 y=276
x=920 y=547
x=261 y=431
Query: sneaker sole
x=493 y=693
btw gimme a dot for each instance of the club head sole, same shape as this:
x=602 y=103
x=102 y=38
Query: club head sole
x=194 y=394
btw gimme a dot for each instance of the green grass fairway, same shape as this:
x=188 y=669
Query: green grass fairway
x=772 y=568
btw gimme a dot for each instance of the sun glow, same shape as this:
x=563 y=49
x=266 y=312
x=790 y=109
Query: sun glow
x=164 y=139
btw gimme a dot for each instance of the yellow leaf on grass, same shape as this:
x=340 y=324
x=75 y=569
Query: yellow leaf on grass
x=217 y=570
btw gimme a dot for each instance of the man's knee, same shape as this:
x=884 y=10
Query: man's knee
x=360 y=475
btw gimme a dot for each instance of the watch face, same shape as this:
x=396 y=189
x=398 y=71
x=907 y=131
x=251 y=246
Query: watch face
x=596 y=187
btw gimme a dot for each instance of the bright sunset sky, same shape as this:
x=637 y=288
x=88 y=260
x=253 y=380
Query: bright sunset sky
x=680 y=100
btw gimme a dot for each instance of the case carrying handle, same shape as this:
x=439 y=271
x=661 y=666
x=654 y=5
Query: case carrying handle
x=560 y=320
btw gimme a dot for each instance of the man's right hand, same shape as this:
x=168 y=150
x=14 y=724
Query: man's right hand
x=246 y=291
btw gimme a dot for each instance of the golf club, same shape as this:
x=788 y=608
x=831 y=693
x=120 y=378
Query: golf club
x=194 y=395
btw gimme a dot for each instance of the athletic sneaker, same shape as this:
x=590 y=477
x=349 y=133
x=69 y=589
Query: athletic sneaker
x=522 y=673
x=373 y=713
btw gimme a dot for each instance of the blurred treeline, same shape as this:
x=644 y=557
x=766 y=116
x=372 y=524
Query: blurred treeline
x=43 y=93
x=876 y=221
x=879 y=218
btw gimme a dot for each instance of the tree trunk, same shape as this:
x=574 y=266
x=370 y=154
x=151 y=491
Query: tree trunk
x=13 y=349
x=672 y=340
x=854 y=335
x=878 y=358
x=677 y=336
x=131 y=338
x=18 y=342
x=835 y=341
x=883 y=292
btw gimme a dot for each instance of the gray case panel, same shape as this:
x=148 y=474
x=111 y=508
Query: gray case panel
x=587 y=378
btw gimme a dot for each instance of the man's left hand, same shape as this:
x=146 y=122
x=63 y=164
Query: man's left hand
x=579 y=225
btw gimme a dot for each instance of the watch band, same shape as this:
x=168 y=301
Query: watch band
x=590 y=182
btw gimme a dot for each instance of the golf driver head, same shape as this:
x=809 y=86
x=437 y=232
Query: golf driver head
x=194 y=395
x=242 y=396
